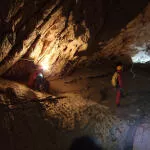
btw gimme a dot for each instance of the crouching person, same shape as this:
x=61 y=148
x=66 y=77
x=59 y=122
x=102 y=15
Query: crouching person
x=37 y=81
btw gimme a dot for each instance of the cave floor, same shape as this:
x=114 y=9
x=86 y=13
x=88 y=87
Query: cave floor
x=33 y=120
x=94 y=85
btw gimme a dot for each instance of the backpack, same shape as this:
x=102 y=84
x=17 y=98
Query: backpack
x=114 y=80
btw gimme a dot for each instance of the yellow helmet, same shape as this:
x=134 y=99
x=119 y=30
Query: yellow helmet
x=119 y=68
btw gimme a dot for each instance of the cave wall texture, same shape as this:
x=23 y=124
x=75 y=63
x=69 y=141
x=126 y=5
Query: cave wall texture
x=60 y=34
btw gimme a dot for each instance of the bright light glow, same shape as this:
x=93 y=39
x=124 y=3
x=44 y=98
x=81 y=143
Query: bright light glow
x=45 y=67
x=45 y=63
x=141 y=57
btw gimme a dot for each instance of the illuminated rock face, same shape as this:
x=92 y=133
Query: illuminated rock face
x=133 y=40
x=57 y=33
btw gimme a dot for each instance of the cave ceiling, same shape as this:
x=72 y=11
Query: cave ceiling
x=58 y=34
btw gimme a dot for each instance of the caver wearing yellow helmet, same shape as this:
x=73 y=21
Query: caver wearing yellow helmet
x=119 y=68
x=117 y=82
x=119 y=87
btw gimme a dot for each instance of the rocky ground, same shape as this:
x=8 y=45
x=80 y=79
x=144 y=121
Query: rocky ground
x=94 y=85
x=84 y=104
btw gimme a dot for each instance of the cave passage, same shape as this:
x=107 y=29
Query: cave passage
x=81 y=104
x=57 y=58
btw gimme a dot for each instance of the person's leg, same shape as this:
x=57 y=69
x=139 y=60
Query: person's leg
x=118 y=95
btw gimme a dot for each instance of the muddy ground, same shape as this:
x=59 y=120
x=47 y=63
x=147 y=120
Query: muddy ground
x=86 y=106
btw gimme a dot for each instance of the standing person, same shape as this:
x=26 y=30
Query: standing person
x=119 y=86
x=117 y=83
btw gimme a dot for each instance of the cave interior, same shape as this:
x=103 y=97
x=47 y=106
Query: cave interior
x=77 y=44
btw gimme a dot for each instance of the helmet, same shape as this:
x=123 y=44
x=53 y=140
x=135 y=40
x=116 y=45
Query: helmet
x=40 y=75
x=119 y=68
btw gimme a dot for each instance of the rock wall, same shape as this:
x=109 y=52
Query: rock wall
x=133 y=38
x=57 y=34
